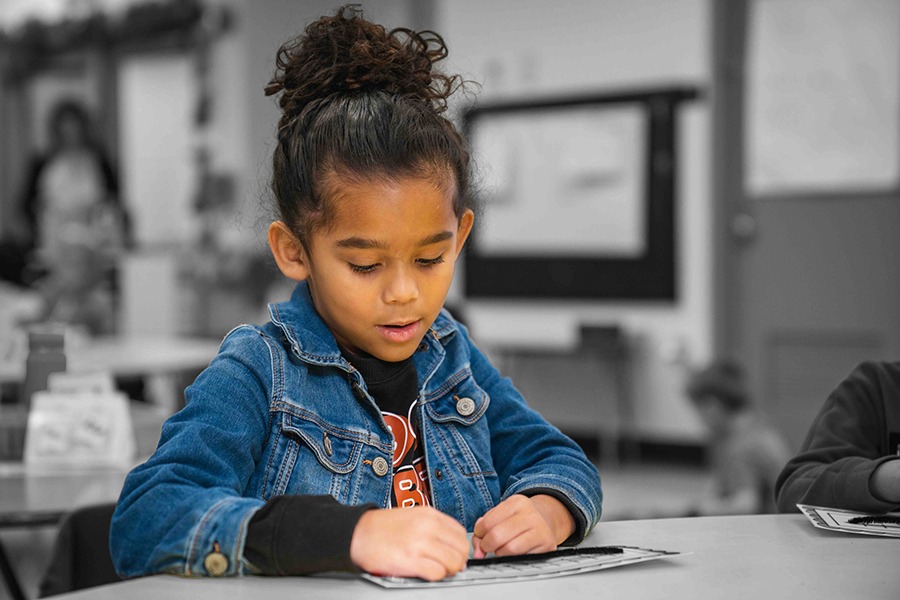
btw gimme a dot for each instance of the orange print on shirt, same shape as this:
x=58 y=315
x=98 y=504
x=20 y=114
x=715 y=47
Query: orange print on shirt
x=410 y=480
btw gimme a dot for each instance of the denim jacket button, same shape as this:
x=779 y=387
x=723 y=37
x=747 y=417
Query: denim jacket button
x=465 y=406
x=215 y=563
x=328 y=448
x=380 y=466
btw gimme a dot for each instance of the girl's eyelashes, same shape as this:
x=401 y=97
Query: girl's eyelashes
x=430 y=262
x=362 y=268
x=424 y=262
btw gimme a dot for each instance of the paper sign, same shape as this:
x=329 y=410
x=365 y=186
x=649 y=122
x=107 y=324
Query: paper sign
x=79 y=429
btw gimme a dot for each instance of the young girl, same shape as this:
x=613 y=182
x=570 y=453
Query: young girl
x=360 y=429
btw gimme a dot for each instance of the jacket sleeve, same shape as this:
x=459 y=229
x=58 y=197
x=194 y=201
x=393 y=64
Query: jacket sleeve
x=844 y=446
x=185 y=503
x=544 y=460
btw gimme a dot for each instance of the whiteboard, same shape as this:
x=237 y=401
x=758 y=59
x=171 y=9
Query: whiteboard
x=563 y=182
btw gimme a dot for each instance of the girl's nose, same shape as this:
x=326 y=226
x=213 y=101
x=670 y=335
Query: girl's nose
x=401 y=287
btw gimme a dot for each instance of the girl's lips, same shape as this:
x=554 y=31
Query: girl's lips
x=401 y=333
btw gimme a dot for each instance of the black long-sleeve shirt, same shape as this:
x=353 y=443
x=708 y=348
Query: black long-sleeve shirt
x=857 y=429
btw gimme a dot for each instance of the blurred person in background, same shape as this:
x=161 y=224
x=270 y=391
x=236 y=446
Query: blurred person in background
x=746 y=453
x=73 y=224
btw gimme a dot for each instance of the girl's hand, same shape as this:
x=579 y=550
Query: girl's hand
x=409 y=542
x=522 y=525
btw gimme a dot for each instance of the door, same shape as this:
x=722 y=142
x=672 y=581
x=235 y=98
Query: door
x=807 y=277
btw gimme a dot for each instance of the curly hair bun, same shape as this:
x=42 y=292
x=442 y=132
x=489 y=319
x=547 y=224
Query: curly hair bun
x=346 y=54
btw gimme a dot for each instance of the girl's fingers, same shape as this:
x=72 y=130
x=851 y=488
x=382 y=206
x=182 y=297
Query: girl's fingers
x=477 y=552
x=528 y=542
x=515 y=526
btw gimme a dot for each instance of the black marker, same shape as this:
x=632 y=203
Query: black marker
x=876 y=520
x=496 y=560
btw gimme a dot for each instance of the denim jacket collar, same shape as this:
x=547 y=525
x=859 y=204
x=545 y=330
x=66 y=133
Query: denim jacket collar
x=309 y=336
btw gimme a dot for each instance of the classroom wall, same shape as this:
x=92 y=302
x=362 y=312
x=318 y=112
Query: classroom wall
x=517 y=48
x=520 y=48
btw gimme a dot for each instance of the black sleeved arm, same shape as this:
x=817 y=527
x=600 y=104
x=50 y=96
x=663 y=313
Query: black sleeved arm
x=301 y=535
x=846 y=443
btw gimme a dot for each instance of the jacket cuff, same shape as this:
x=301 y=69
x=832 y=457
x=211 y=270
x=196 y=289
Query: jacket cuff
x=215 y=547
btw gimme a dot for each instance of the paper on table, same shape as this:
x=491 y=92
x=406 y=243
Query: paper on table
x=837 y=519
x=543 y=568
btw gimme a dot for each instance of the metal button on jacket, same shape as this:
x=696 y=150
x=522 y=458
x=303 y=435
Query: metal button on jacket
x=465 y=406
x=380 y=466
x=215 y=562
x=329 y=450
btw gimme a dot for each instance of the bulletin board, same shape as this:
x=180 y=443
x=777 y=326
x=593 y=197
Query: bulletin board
x=823 y=97
x=577 y=196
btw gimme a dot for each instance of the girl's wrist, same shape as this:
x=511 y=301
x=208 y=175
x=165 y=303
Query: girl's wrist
x=557 y=516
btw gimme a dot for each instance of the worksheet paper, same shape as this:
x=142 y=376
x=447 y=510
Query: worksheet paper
x=556 y=564
x=837 y=519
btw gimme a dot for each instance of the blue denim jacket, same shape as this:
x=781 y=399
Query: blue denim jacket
x=280 y=411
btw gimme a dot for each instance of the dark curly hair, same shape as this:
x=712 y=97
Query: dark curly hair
x=359 y=102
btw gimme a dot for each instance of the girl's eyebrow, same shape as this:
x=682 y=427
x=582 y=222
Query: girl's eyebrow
x=359 y=243
x=436 y=238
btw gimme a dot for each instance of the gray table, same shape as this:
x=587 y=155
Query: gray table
x=29 y=499
x=744 y=557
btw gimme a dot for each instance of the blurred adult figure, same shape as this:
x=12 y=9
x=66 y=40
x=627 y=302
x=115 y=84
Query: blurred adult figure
x=74 y=224
x=72 y=190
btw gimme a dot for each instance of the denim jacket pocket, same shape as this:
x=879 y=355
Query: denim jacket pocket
x=459 y=415
x=458 y=426
x=318 y=459
x=465 y=403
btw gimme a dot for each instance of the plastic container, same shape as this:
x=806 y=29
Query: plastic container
x=46 y=354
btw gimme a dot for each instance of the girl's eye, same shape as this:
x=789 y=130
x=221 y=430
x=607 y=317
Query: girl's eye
x=362 y=268
x=430 y=262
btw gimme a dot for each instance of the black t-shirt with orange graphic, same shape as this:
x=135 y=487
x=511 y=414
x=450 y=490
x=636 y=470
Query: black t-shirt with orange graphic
x=394 y=387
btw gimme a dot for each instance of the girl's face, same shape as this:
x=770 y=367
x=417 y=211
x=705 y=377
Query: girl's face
x=380 y=271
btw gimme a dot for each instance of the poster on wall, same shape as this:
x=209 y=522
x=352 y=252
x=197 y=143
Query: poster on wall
x=823 y=96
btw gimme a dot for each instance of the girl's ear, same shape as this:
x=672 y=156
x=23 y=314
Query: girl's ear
x=290 y=256
x=464 y=229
